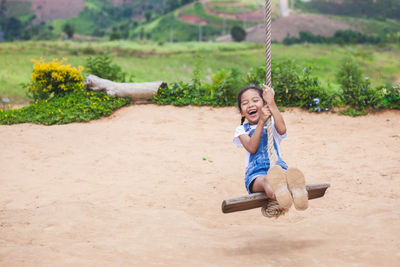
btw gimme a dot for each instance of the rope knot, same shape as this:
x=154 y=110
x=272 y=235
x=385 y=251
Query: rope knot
x=272 y=209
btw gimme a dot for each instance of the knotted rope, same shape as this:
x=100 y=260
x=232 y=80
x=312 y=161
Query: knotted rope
x=273 y=157
x=271 y=209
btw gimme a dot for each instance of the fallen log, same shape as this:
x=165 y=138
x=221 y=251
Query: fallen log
x=135 y=91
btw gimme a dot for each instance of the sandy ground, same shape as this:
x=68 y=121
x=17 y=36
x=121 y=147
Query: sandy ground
x=133 y=190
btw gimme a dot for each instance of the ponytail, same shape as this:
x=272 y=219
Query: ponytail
x=242 y=120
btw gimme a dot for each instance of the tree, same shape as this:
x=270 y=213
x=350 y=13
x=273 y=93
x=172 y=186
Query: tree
x=1 y=35
x=127 y=12
x=171 y=5
x=69 y=30
x=184 y=2
x=238 y=33
x=3 y=8
x=13 y=28
x=350 y=78
x=147 y=15
x=115 y=35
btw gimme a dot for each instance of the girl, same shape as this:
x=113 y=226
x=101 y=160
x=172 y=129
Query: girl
x=256 y=106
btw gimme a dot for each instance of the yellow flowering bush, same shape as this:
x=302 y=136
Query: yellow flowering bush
x=54 y=77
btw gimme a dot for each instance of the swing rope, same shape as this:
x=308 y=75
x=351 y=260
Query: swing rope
x=271 y=208
x=273 y=158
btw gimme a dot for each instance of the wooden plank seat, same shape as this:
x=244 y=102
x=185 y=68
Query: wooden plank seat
x=257 y=200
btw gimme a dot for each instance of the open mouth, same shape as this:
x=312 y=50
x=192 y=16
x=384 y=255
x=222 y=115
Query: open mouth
x=252 y=112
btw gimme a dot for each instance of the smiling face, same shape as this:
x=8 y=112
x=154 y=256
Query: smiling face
x=251 y=103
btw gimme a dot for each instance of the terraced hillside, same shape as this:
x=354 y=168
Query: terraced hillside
x=85 y=15
x=211 y=20
x=206 y=20
x=45 y=10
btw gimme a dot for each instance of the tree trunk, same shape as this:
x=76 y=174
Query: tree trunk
x=135 y=91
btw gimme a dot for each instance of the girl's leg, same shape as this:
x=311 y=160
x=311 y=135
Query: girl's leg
x=277 y=180
x=261 y=184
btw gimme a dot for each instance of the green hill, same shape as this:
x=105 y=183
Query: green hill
x=209 y=20
x=41 y=20
x=203 y=20
x=185 y=20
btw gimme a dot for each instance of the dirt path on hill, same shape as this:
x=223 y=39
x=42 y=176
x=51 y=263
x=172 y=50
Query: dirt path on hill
x=292 y=25
x=251 y=15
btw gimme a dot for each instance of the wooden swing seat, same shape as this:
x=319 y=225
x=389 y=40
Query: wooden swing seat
x=257 y=200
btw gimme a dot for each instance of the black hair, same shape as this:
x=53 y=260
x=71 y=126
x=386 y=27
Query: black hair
x=241 y=92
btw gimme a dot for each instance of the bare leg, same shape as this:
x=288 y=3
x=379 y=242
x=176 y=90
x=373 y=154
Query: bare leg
x=261 y=185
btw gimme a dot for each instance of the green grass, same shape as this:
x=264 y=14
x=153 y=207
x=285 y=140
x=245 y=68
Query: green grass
x=173 y=62
x=234 y=9
x=76 y=106
x=199 y=10
x=182 y=31
x=380 y=64
x=373 y=26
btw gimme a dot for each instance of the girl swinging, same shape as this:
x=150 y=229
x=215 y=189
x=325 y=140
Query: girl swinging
x=286 y=185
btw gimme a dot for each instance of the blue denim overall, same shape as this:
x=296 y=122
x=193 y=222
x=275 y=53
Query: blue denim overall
x=259 y=162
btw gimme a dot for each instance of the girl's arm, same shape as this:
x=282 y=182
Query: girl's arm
x=251 y=143
x=268 y=96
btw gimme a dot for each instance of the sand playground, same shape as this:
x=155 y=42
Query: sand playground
x=144 y=187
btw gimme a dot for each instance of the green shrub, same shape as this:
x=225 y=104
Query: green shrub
x=349 y=111
x=357 y=91
x=69 y=30
x=52 y=78
x=103 y=67
x=238 y=33
x=340 y=37
x=256 y=76
x=178 y=94
x=184 y=93
x=221 y=92
x=294 y=85
x=353 y=37
x=225 y=85
x=88 y=50
x=76 y=106
x=313 y=96
x=284 y=81
x=285 y=78
x=390 y=96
